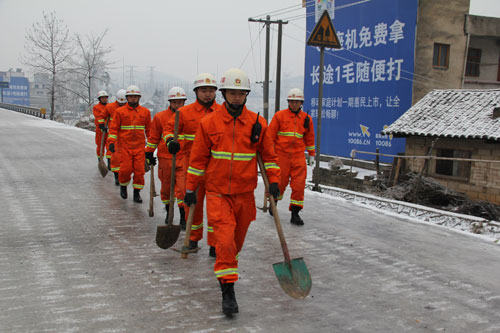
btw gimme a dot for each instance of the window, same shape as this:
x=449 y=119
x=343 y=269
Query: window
x=473 y=62
x=441 y=58
x=454 y=168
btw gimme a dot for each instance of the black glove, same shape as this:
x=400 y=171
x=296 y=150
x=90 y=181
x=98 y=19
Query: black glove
x=173 y=146
x=150 y=158
x=274 y=190
x=112 y=147
x=102 y=127
x=190 y=198
x=306 y=122
x=256 y=129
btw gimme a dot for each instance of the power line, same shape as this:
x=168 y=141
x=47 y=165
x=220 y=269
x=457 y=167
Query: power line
x=251 y=48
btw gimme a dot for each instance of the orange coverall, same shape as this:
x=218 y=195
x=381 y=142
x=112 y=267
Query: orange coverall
x=225 y=159
x=107 y=115
x=97 y=110
x=189 y=119
x=131 y=127
x=158 y=124
x=291 y=139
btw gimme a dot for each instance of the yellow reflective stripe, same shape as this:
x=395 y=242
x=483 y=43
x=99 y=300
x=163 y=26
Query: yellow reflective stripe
x=221 y=155
x=271 y=166
x=115 y=169
x=180 y=137
x=280 y=197
x=295 y=134
x=189 y=137
x=125 y=184
x=151 y=145
x=227 y=271
x=310 y=147
x=133 y=127
x=196 y=226
x=180 y=202
x=108 y=156
x=210 y=229
x=296 y=202
x=137 y=186
x=100 y=121
x=196 y=172
x=112 y=136
x=243 y=156
x=238 y=256
x=169 y=135
x=165 y=202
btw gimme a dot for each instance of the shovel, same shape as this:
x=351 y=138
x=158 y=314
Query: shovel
x=152 y=192
x=185 y=247
x=292 y=274
x=167 y=235
x=103 y=169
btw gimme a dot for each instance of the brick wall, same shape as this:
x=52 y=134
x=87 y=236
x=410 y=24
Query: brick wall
x=484 y=180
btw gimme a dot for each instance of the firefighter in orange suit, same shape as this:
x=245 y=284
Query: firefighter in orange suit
x=292 y=133
x=177 y=98
x=224 y=153
x=190 y=115
x=100 y=125
x=107 y=117
x=130 y=126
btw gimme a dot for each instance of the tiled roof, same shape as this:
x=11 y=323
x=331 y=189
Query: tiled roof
x=454 y=113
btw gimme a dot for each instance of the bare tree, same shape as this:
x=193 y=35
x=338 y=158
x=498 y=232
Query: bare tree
x=47 y=49
x=89 y=67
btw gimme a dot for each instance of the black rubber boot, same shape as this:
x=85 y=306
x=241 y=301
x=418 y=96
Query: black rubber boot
x=295 y=216
x=193 y=244
x=182 y=221
x=117 y=182
x=123 y=192
x=166 y=217
x=137 y=196
x=229 y=305
x=211 y=252
x=109 y=164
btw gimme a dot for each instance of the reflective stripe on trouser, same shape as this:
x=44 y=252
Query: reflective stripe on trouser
x=98 y=137
x=164 y=173
x=131 y=161
x=293 y=171
x=230 y=216
x=115 y=159
x=197 y=225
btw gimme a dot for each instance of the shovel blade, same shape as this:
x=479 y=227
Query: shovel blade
x=294 y=278
x=166 y=236
x=103 y=169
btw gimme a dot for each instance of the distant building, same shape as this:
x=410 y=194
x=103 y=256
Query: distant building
x=39 y=91
x=18 y=91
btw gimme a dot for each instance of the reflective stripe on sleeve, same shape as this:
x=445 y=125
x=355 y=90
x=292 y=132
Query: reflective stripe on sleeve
x=195 y=172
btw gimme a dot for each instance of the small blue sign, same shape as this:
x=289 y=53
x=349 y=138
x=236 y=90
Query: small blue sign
x=368 y=83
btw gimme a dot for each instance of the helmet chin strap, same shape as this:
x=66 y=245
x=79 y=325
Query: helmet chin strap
x=134 y=105
x=298 y=110
x=234 y=109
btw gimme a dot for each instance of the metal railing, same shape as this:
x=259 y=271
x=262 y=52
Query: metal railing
x=40 y=113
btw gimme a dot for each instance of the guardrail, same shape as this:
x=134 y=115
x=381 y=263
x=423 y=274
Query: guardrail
x=40 y=113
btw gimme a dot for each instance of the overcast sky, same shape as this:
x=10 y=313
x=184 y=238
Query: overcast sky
x=180 y=38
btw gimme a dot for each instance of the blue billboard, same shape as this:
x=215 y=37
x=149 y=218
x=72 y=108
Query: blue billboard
x=18 y=91
x=368 y=83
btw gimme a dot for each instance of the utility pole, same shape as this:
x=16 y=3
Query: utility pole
x=268 y=23
x=278 y=68
x=131 y=70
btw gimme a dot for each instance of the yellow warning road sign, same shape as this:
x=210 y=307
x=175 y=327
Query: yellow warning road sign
x=324 y=34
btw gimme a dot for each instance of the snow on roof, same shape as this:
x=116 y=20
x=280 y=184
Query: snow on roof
x=453 y=113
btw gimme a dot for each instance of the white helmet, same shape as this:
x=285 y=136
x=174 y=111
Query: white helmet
x=120 y=96
x=205 y=80
x=295 y=94
x=133 y=91
x=102 y=93
x=236 y=79
x=176 y=93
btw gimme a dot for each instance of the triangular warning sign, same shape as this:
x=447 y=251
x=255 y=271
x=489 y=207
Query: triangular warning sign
x=324 y=34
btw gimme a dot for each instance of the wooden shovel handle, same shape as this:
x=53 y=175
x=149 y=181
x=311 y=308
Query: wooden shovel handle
x=152 y=191
x=277 y=222
x=172 y=174
x=189 y=223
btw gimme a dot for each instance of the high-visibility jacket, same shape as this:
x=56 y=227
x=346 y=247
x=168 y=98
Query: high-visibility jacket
x=225 y=156
x=289 y=135
x=189 y=119
x=132 y=125
x=158 y=125
x=97 y=110
x=108 y=112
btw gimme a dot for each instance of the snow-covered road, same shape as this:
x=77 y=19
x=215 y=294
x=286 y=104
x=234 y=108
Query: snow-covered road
x=75 y=257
